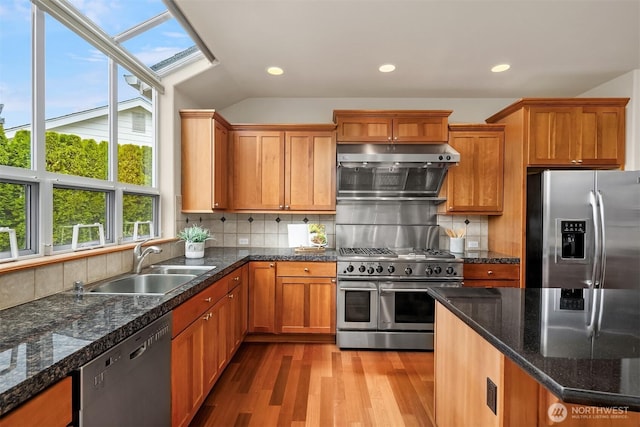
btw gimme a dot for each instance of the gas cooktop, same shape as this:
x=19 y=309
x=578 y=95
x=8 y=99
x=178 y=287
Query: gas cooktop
x=400 y=253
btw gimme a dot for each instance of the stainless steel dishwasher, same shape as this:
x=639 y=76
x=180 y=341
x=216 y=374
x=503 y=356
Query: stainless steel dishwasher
x=130 y=384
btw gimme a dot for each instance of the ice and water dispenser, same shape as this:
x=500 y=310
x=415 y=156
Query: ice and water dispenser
x=572 y=239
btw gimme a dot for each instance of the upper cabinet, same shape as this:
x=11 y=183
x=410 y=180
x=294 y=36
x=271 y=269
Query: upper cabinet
x=580 y=132
x=475 y=186
x=283 y=167
x=204 y=174
x=391 y=126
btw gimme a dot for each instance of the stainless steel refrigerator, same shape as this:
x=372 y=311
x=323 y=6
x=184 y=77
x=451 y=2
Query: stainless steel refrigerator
x=583 y=229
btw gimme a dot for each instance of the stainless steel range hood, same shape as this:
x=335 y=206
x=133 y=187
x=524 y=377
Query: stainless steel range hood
x=393 y=172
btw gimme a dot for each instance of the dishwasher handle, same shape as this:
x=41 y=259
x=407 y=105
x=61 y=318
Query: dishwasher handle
x=138 y=351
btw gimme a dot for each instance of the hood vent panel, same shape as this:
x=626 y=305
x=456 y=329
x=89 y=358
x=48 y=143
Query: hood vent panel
x=375 y=172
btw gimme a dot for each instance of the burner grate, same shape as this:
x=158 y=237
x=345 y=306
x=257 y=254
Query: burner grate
x=366 y=252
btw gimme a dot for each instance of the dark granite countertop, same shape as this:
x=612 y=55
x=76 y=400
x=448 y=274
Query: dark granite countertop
x=551 y=342
x=45 y=340
x=487 y=257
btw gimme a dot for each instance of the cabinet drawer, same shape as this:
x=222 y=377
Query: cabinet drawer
x=301 y=269
x=492 y=271
x=233 y=279
x=190 y=310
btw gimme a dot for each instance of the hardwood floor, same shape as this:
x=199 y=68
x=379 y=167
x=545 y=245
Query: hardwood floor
x=321 y=385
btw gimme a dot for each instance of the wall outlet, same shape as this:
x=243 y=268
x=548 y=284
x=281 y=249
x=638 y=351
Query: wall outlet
x=492 y=396
x=243 y=241
x=472 y=244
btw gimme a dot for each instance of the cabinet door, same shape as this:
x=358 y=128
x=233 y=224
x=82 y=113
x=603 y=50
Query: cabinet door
x=222 y=311
x=310 y=175
x=420 y=129
x=475 y=186
x=553 y=135
x=213 y=330
x=258 y=170
x=220 y=170
x=602 y=137
x=187 y=385
x=306 y=305
x=262 y=296
x=52 y=407
x=370 y=129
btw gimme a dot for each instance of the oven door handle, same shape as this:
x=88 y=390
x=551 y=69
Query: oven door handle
x=358 y=289
x=390 y=290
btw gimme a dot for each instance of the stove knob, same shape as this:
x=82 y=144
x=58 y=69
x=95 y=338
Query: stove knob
x=350 y=268
x=408 y=271
x=449 y=270
x=379 y=269
x=428 y=271
x=391 y=269
x=370 y=270
x=437 y=269
x=362 y=268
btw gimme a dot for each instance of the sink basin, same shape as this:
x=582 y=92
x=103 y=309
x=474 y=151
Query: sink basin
x=147 y=284
x=179 y=269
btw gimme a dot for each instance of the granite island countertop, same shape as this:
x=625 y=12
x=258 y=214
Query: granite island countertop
x=553 y=344
x=45 y=340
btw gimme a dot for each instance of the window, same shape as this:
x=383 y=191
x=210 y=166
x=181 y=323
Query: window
x=84 y=209
x=15 y=84
x=138 y=214
x=19 y=204
x=81 y=148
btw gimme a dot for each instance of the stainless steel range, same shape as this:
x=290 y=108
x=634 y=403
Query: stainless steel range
x=387 y=240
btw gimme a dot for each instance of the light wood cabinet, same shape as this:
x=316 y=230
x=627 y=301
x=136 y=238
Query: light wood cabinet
x=205 y=140
x=306 y=297
x=51 y=407
x=284 y=167
x=491 y=275
x=391 y=126
x=550 y=132
x=576 y=136
x=475 y=185
x=262 y=296
x=207 y=330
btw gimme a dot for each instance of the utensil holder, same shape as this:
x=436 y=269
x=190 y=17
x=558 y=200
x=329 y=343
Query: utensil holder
x=456 y=244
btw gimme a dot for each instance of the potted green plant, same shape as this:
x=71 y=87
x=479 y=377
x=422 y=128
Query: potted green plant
x=194 y=238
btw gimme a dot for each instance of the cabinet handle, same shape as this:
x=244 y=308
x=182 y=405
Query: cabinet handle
x=450 y=208
x=280 y=207
x=306 y=269
x=236 y=279
x=490 y=272
x=215 y=204
x=230 y=296
x=271 y=265
x=389 y=138
x=207 y=316
x=286 y=207
x=579 y=160
x=573 y=162
x=333 y=280
x=208 y=299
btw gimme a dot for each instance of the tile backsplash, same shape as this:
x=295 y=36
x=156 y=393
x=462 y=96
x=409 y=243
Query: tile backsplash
x=270 y=230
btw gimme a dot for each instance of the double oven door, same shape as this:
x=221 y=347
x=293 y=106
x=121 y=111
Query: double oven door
x=386 y=305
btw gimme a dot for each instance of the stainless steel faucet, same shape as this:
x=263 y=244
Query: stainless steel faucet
x=139 y=255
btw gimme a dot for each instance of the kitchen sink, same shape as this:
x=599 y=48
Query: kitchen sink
x=179 y=269
x=146 y=284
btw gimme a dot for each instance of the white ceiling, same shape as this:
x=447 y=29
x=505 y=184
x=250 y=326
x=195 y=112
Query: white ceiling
x=442 y=48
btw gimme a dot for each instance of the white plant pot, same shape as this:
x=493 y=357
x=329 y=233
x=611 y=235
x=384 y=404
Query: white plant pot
x=194 y=249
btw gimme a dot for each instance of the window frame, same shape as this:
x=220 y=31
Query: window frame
x=42 y=182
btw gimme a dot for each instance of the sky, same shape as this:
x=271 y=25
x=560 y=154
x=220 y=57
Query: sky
x=76 y=72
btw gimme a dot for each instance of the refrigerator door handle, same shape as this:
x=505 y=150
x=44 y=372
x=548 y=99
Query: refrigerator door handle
x=594 y=283
x=593 y=313
x=603 y=255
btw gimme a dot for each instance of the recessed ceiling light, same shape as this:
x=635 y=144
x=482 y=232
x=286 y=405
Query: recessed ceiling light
x=386 y=68
x=275 y=71
x=500 y=68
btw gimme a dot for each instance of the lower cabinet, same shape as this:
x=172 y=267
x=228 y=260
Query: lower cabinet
x=216 y=323
x=306 y=297
x=492 y=275
x=262 y=288
x=52 y=407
